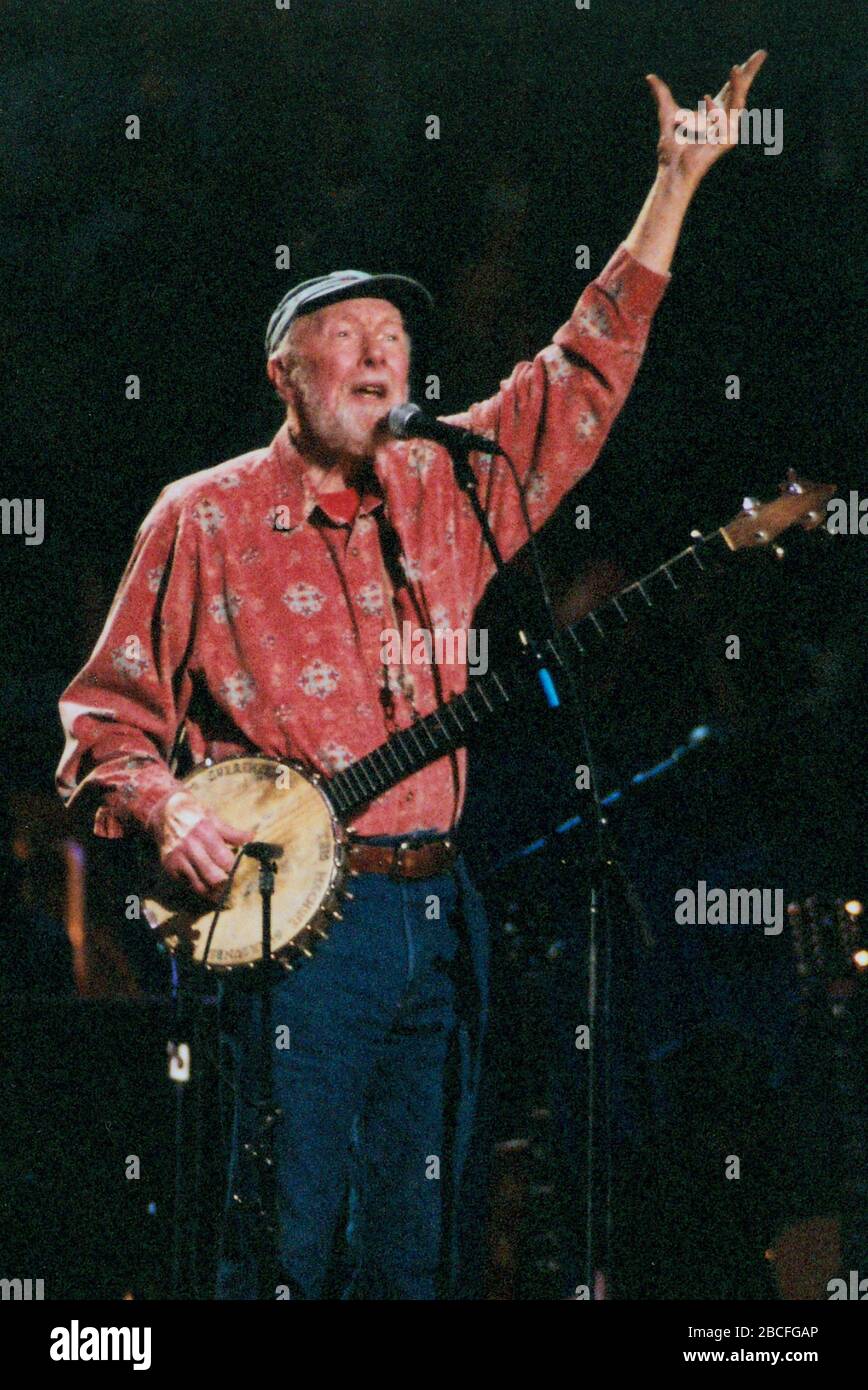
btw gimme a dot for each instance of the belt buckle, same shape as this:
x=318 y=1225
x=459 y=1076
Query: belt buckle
x=400 y=851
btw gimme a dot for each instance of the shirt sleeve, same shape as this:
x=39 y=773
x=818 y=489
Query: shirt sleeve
x=121 y=713
x=553 y=414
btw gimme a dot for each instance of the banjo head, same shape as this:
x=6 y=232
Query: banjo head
x=283 y=803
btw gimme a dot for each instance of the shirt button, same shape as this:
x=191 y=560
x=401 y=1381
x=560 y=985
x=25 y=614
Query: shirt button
x=354 y=550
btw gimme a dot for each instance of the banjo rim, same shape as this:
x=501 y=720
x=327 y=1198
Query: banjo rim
x=301 y=946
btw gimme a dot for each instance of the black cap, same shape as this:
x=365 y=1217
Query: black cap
x=408 y=295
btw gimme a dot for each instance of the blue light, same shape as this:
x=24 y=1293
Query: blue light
x=548 y=685
x=532 y=849
x=656 y=770
x=696 y=736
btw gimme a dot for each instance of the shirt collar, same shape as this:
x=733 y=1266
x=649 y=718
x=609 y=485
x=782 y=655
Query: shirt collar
x=337 y=514
x=297 y=491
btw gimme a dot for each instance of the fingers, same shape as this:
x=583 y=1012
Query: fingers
x=203 y=858
x=661 y=93
x=230 y=833
x=753 y=64
x=741 y=77
x=178 y=866
x=746 y=72
x=716 y=115
x=208 y=839
x=731 y=95
x=195 y=844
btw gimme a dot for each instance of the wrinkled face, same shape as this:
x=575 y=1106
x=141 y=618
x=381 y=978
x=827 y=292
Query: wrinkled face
x=341 y=370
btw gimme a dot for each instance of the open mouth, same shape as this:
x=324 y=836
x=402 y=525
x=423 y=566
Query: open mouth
x=375 y=391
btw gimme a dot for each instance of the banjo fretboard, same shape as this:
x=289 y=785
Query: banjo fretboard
x=448 y=726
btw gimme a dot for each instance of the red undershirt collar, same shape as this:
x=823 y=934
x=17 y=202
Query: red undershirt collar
x=342 y=506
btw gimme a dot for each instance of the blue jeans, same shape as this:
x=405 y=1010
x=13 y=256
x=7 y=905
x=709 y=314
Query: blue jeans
x=364 y=1095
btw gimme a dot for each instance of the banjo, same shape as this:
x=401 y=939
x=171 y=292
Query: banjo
x=304 y=813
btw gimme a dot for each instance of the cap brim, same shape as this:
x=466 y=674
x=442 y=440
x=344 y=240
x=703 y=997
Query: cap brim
x=414 y=301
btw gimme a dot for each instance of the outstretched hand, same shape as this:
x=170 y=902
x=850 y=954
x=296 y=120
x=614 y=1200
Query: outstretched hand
x=691 y=141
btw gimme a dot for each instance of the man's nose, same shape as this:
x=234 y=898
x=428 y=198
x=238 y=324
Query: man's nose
x=373 y=351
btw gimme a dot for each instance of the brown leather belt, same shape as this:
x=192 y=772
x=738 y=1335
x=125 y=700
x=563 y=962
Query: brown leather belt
x=424 y=859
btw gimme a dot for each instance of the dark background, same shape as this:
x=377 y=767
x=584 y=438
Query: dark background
x=262 y=127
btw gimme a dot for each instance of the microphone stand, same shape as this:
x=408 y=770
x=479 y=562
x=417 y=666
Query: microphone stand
x=262 y=1151
x=530 y=650
x=606 y=870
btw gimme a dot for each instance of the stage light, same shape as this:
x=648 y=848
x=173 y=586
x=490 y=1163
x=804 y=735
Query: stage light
x=860 y=959
x=854 y=907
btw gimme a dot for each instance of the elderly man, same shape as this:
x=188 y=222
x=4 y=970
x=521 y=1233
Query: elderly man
x=252 y=616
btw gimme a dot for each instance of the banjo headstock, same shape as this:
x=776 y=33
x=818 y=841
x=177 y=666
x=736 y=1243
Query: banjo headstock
x=801 y=503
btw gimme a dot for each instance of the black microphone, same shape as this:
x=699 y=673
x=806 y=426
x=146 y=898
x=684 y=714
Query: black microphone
x=259 y=849
x=409 y=421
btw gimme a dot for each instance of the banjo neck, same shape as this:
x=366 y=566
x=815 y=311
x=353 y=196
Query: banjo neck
x=447 y=727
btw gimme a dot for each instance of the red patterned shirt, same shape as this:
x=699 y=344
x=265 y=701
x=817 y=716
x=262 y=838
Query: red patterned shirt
x=255 y=618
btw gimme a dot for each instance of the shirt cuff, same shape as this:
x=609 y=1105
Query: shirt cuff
x=134 y=803
x=632 y=283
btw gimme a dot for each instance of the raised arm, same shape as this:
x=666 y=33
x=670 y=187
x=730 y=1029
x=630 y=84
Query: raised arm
x=553 y=414
x=689 y=145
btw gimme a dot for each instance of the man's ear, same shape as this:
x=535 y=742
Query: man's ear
x=292 y=419
x=278 y=375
